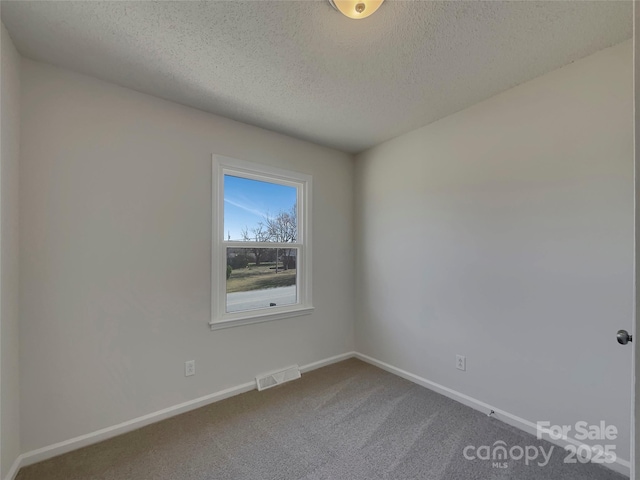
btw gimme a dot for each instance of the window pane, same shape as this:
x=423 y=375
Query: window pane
x=259 y=211
x=261 y=278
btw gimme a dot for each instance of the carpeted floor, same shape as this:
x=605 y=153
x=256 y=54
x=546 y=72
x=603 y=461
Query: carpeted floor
x=347 y=421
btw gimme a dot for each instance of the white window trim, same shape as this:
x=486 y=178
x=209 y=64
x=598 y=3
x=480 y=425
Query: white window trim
x=222 y=165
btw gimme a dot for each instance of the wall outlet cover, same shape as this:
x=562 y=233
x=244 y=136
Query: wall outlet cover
x=461 y=362
x=189 y=368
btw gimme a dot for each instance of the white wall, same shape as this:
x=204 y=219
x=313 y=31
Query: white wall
x=115 y=247
x=505 y=233
x=10 y=140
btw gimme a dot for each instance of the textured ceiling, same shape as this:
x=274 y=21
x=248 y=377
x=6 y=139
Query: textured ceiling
x=301 y=68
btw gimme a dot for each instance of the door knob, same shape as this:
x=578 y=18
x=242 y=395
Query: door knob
x=623 y=337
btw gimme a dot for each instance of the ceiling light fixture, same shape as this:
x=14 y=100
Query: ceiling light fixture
x=356 y=9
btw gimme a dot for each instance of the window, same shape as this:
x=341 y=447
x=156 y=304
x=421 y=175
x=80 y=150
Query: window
x=261 y=247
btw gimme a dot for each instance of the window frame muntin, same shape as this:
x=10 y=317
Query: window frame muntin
x=221 y=166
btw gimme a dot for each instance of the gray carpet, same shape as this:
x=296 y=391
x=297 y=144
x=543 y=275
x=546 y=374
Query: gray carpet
x=348 y=421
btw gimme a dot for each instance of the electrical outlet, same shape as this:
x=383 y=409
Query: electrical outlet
x=461 y=362
x=189 y=368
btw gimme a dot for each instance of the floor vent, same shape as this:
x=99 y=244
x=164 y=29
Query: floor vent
x=272 y=379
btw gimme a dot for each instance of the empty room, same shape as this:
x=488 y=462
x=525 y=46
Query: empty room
x=317 y=239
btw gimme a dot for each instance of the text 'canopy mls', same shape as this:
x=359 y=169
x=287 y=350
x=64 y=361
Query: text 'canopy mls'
x=259 y=211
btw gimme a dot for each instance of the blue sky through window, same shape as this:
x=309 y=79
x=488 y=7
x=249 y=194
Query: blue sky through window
x=247 y=202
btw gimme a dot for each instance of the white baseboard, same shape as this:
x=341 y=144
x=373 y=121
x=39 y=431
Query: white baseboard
x=60 y=448
x=621 y=466
x=327 y=361
x=66 y=446
x=13 y=471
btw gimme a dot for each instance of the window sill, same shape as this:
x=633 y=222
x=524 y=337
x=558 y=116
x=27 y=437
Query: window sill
x=249 y=319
